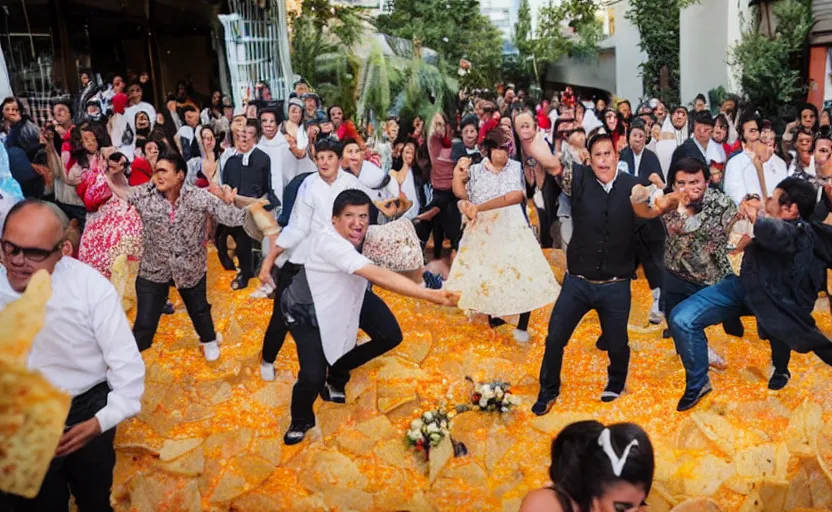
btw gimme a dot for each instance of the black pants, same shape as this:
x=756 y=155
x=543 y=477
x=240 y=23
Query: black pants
x=376 y=320
x=276 y=332
x=650 y=254
x=677 y=290
x=576 y=299
x=150 y=303
x=522 y=322
x=86 y=473
x=221 y=241
x=448 y=222
x=244 y=250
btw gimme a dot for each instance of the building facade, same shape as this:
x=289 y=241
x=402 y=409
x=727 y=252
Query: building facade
x=502 y=13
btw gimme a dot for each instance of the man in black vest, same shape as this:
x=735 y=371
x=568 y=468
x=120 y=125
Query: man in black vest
x=599 y=266
x=249 y=172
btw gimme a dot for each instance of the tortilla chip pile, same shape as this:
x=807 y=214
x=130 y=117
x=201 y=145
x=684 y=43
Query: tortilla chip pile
x=210 y=435
x=32 y=412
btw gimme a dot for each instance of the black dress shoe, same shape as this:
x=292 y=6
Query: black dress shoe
x=692 y=397
x=666 y=334
x=611 y=392
x=602 y=344
x=544 y=404
x=778 y=381
x=296 y=433
x=331 y=393
x=240 y=282
x=169 y=309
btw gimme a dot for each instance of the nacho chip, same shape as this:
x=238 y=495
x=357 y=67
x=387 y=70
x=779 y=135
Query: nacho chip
x=696 y=505
x=757 y=462
x=377 y=428
x=232 y=484
x=824 y=450
x=347 y=499
x=717 y=429
x=175 y=448
x=191 y=464
x=225 y=445
x=805 y=423
x=21 y=320
x=33 y=415
x=773 y=494
x=268 y=448
x=690 y=437
x=708 y=476
x=331 y=469
x=439 y=456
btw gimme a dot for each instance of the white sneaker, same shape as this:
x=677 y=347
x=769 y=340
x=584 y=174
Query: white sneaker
x=655 y=317
x=521 y=336
x=262 y=292
x=267 y=371
x=211 y=351
x=716 y=361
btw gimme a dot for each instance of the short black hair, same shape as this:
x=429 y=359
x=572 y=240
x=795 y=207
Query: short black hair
x=703 y=117
x=65 y=102
x=800 y=192
x=350 y=197
x=176 y=159
x=625 y=102
x=751 y=117
x=267 y=110
x=117 y=156
x=188 y=108
x=700 y=96
x=638 y=124
x=598 y=137
x=687 y=165
x=349 y=140
x=470 y=119
x=327 y=144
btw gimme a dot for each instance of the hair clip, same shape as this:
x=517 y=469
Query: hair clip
x=617 y=463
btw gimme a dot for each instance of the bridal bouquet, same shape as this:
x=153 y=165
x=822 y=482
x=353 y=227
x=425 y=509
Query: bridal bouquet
x=428 y=430
x=493 y=396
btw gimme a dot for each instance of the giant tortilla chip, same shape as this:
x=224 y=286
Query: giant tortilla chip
x=804 y=425
x=32 y=416
x=22 y=319
x=439 y=456
x=499 y=268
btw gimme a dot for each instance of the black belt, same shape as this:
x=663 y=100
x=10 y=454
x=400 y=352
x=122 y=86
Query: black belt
x=85 y=405
x=601 y=281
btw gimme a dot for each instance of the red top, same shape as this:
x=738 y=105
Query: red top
x=442 y=166
x=140 y=172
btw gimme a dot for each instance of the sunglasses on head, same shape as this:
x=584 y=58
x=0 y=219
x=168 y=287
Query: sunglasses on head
x=30 y=253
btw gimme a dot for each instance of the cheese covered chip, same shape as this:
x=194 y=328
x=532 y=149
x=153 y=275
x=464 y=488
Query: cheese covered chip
x=33 y=415
x=22 y=319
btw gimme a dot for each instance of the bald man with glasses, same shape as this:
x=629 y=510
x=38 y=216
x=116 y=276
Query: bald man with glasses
x=85 y=348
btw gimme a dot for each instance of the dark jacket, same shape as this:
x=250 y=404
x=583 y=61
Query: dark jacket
x=653 y=230
x=687 y=150
x=602 y=245
x=253 y=180
x=458 y=151
x=782 y=271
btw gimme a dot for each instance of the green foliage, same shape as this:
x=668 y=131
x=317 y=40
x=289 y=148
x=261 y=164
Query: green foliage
x=523 y=37
x=428 y=90
x=769 y=67
x=658 y=26
x=453 y=28
x=374 y=86
x=322 y=35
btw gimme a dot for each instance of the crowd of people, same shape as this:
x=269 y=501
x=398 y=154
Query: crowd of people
x=434 y=208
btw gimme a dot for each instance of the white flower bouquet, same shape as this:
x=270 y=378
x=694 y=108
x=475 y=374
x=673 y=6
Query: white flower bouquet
x=428 y=430
x=493 y=396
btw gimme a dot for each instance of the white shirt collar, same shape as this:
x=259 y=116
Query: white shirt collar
x=247 y=155
x=608 y=186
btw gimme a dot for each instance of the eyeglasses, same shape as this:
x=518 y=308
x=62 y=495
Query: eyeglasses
x=32 y=254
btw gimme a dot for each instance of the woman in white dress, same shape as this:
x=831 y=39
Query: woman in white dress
x=500 y=269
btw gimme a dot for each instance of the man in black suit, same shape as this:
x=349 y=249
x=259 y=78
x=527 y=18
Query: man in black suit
x=248 y=171
x=696 y=146
x=649 y=240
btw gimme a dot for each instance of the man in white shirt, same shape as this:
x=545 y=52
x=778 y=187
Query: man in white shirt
x=329 y=301
x=311 y=213
x=275 y=147
x=742 y=172
x=85 y=348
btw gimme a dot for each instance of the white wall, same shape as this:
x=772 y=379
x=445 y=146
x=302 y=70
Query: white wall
x=706 y=31
x=628 y=56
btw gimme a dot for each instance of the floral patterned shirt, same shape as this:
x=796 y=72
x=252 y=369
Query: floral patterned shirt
x=486 y=185
x=174 y=235
x=697 y=246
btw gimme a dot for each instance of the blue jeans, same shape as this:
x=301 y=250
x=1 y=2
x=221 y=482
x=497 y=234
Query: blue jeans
x=688 y=320
x=576 y=299
x=676 y=290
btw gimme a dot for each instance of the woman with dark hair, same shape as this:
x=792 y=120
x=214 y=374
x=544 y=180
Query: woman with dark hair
x=113 y=227
x=596 y=469
x=90 y=147
x=22 y=143
x=447 y=223
x=165 y=128
x=213 y=109
x=203 y=171
x=614 y=125
x=500 y=269
x=144 y=165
